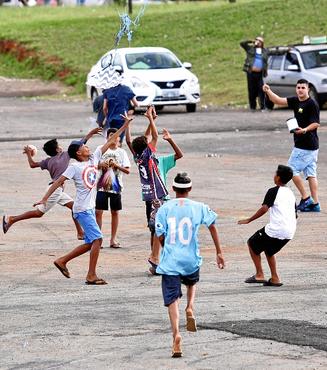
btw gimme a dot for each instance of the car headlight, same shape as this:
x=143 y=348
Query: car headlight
x=193 y=82
x=324 y=81
x=138 y=83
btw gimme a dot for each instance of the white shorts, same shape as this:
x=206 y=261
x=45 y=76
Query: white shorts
x=57 y=197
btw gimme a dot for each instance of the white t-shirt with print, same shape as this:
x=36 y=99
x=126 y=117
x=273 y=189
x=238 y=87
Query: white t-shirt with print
x=84 y=175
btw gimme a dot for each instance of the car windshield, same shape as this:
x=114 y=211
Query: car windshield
x=160 y=60
x=315 y=59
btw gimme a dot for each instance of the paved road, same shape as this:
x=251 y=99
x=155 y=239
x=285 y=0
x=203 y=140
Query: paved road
x=48 y=322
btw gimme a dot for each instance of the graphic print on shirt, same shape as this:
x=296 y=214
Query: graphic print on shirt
x=152 y=185
x=183 y=231
x=89 y=176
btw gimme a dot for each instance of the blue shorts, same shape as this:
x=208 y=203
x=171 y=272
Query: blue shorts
x=172 y=285
x=89 y=224
x=305 y=161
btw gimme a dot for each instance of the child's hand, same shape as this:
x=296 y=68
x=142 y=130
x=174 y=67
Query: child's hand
x=149 y=111
x=95 y=131
x=220 y=261
x=27 y=150
x=127 y=117
x=166 y=134
x=243 y=222
x=154 y=113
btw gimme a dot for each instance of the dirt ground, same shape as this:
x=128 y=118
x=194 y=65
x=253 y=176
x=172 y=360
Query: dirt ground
x=14 y=87
x=49 y=322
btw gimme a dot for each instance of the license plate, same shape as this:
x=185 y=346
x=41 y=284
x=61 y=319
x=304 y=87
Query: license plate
x=171 y=93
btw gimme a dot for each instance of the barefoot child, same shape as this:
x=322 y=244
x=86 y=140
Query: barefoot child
x=84 y=174
x=177 y=226
x=280 y=200
x=114 y=163
x=56 y=164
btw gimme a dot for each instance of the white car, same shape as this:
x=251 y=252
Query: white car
x=155 y=75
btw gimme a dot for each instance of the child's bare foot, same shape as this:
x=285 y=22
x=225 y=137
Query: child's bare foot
x=62 y=268
x=190 y=320
x=177 y=348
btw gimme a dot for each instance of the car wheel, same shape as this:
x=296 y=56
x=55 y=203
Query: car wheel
x=159 y=107
x=94 y=94
x=190 y=108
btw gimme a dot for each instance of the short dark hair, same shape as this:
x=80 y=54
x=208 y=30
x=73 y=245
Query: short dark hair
x=50 y=147
x=182 y=178
x=303 y=81
x=285 y=173
x=139 y=144
x=111 y=131
x=74 y=147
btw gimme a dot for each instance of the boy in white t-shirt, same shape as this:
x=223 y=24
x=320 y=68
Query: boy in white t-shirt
x=84 y=174
x=114 y=163
x=280 y=200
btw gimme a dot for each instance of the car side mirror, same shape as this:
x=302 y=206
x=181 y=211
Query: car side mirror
x=187 y=65
x=293 y=68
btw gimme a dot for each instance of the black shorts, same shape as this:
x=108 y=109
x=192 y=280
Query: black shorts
x=101 y=202
x=172 y=285
x=151 y=209
x=261 y=242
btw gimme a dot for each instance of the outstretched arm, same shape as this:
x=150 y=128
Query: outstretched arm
x=166 y=136
x=113 y=137
x=219 y=253
x=152 y=115
x=91 y=133
x=129 y=140
x=260 y=212
x=274 y=97
x=59 y=182
x=28 y=151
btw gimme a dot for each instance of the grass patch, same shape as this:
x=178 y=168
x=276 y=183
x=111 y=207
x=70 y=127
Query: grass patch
x=205 y=34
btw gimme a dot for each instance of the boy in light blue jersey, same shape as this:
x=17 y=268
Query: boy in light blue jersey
x=177 y=226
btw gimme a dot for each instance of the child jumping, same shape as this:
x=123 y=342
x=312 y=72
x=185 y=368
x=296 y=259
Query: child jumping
x=153 y=187
x=280 y=200
x=84 y=174
x=165 y=164
x=56 y=164
x=177 y=226
x=114 y=163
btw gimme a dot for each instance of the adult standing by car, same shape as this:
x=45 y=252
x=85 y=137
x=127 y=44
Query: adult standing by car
x=306 y=143
x=255 y=66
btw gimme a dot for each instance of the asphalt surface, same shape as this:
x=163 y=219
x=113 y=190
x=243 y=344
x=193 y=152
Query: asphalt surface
x=49 y=322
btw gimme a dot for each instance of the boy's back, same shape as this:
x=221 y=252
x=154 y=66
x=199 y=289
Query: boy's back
x=56 y=165
x=118 y=98
x=179 y=221
x=282 y=204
